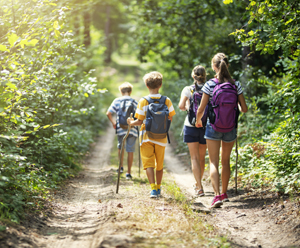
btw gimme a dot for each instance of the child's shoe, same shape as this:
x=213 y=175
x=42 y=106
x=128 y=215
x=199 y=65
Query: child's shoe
x=199 y=192
x=121 y=170
x=216 y=202
x=128 y=176
x=158 y=193
x=153 y=193
x=224 y=197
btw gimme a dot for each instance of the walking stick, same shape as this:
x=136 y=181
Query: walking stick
x=139 y=153
x=236 y=162
x=121 y=153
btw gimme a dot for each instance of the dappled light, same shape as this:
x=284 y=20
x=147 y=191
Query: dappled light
x=61 y=64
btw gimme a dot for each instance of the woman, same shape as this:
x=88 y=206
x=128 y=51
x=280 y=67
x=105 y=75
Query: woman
x=216 y=139
x=193 y=136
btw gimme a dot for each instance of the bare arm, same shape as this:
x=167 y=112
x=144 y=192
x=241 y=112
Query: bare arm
x=110 y=117
x=184 y=103
x=201 y=109
x=132 y=122
x=242 y=103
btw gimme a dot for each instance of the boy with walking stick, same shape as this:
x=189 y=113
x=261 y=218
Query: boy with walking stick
x=153 y=141
x=123 y=107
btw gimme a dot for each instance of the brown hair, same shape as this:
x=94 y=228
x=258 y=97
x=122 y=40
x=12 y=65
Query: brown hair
x=125 y=87
x=199 y=74
x=220 y=61
x=153 y=79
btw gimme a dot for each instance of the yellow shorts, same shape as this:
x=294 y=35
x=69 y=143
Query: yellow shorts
x=152 y=155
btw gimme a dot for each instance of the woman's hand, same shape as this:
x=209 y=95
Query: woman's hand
x=198 y=123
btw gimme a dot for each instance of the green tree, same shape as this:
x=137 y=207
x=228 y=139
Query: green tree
x=48 y=103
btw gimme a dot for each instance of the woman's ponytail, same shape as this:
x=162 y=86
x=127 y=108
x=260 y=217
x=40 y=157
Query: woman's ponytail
x=199 y=74
x=220 y=61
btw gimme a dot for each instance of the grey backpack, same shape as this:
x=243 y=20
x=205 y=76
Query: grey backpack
x=124 y=111
x=157 y=121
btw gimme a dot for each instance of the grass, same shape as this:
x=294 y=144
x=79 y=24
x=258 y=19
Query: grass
x=166 y=222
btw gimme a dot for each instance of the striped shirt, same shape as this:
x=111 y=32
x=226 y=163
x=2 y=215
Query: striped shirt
x=209 y=86
x=140 y=114
x=114 y=109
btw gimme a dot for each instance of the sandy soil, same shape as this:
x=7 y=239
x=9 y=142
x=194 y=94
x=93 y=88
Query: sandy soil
x=83 y=213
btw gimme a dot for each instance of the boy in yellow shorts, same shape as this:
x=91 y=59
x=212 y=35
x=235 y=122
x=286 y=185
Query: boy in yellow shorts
x=152 y=149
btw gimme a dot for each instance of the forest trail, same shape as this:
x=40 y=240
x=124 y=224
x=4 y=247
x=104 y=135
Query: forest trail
x=88 y=213
x=249 y=219
x=75 y=222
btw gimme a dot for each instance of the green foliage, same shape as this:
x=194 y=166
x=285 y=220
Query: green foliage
x=50 y=105
x=273 y=26
x=273 y=157
x=185 y=33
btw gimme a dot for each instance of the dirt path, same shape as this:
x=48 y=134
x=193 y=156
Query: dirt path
x=249 y=219
x=75 y=222
x=88 y=213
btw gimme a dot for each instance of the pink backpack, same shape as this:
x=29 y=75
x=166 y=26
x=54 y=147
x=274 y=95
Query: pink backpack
x=223 y=114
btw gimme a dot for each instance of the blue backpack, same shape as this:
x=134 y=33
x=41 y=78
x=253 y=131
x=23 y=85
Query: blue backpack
x=124 y=112
x=157 y=121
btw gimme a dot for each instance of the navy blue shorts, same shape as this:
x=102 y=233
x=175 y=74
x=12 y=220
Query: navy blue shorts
x=194 y=134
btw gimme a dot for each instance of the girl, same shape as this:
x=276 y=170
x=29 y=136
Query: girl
x=193 y=136
x=216 y=139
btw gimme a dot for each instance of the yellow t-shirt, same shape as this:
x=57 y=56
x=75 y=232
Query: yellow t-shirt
x=141 y=115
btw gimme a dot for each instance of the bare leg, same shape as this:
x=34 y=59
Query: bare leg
x=213 y=152
x=150 y=175
x=195 y=161
x=202 y=153
x=225 y=160
x=129 y=161
x=159 y=175
x=193 y=149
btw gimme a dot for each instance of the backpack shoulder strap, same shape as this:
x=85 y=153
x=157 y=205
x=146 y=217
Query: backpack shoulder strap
x=149 y=99
x=162 y=99
x=123 y=104
x=197 y=88
x=214 y=80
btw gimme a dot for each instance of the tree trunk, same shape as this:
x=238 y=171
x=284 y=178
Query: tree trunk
x=108 y=51
x=77 y=19
x=86 y=33
x=246 y=60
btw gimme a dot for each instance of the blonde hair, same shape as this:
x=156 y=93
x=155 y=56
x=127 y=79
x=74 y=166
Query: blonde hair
x=199 y=74
x=220 y=61
x=125 y=87
x=153 y=79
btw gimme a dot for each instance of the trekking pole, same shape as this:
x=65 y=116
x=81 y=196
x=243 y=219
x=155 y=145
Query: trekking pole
x=236 y=162
x=139 y=153
x=121 y=153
